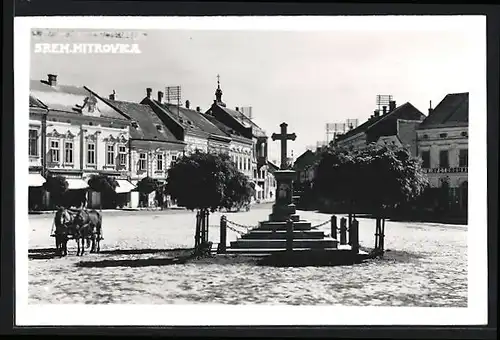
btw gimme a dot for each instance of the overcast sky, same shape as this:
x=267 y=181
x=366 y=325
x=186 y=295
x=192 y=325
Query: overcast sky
x=306 y=79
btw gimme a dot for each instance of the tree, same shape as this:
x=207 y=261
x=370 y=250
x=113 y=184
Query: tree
x=57 y=186
x=147 y=185
x=206 y=182
x=105 y=185
x=377 y=176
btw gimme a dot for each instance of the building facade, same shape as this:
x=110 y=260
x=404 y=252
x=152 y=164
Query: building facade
x=152 y=149
x=83 y=136
x=443 y=147
x=397 y=125
x=240 y=124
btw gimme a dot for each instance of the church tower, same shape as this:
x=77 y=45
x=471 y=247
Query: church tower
x=218 y=93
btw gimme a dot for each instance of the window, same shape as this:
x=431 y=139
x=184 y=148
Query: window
x=443 y=159
x=174 y=158
x=122 y=155
x=426 y=159
x=142 y=161
x=159 y=162
x=68 y=152
x=464 y=134
x=110 y=154
x=425 y=137
x=33 y=142
x=443 y=135
x=54 y=151
x=463 y=158
x=91 y=153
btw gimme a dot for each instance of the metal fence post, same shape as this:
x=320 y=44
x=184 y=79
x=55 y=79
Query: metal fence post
x=343 y=231
x=197 y=233
x=289 y=235
x=333 y=224
x=223 y=235
x=354 y=236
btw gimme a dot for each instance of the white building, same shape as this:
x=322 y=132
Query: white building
x=83 y=136
x=443 y=146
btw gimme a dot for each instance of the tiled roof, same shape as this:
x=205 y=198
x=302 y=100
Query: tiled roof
x=245 y=121
x=71 y=99
x=146 y=119
x=405 y=111
x=453 y=110
x=272 y=167
x=36 y=103
x=191 y=120
x=226 y=129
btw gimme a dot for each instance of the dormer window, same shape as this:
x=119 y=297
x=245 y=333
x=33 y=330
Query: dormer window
x=134 y=124
x=425 y=136
x=158 y=127
x=464 y=134
x=443 y=135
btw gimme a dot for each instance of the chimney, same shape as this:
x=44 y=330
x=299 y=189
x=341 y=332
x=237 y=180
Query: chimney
x=52 y=79
x=160 y=97
x=148 y=92
x=376 y=113
x=237 y=109
x=198 y=109
x=384 y=109
x=430 y=107
x=392 y=105
x=187 y=104
x=112 y=96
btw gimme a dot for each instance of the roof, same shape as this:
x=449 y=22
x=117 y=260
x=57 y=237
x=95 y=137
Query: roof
x=191 y=120
x=405 y=111
x=146 y=119
x=71 y=99
x=244 y=120
x=36 y=103
x=453 y=110
x=272 y=167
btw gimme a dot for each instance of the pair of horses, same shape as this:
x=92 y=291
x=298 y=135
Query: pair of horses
x=79 y=224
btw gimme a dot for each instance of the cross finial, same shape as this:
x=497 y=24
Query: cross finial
x=283 y=137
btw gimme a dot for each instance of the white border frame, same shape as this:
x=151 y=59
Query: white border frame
x=474 y=314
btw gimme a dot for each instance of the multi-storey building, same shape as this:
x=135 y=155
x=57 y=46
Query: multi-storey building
x=83 y=136
x=443 y=146
x=37 y=120
x=237 y=121
x=152 y=147
x=397 y=125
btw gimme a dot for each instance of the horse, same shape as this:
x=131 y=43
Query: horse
x=63 y=222
x=88 y=224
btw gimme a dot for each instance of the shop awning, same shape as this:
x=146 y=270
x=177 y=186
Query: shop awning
x=76 y=183
x=35 y=180
x=124 y=186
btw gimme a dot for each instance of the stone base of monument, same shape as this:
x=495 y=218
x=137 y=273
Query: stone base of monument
x=271 y=237
x=313 y=257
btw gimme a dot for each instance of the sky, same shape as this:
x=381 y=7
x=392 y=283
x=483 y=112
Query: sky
x=303 y=78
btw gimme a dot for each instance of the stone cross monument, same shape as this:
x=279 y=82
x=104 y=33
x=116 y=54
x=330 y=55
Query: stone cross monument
x=283 y=208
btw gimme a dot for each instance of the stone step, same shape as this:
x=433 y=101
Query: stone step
x=281 y=234
x=272 y=244
x=264 y=251
x=300 y=225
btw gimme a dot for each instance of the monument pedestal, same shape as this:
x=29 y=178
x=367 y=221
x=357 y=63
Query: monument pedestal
x=284 y=208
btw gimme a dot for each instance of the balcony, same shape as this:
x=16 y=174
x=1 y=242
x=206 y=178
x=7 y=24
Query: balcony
x=463 y=169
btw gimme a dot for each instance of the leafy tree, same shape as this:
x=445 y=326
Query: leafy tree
x=378 y=176
x=206 y=182
x=147 y=185
x=57 y=186
x=103 y=184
